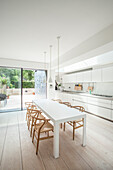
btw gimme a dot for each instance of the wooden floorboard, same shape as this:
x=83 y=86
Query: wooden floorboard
x=94 y=153
x=18 y=153
x=3 y=131
x=29 y=159
x=46 y=152
x=11 y=155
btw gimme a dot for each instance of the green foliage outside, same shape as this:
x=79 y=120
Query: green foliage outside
x=28 y=84
x=12 y=78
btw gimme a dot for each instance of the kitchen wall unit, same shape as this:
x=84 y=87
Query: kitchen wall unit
x=107 y=74
x=73 y=78
x=79 y=77
x=97 y=105
x=70 y=78
x=87 y=76
x=112 y=111
x=100 y=111
x=96 y=75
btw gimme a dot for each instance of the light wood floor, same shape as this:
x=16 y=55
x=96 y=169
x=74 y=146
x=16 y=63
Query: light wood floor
x=18 y=153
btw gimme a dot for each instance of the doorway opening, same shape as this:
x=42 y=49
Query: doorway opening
x=18 y=85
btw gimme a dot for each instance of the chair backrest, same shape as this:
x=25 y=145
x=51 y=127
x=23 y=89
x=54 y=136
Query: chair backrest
x=80 y=108
x=42 y=123
x=66 y=103
x=31 y=108
x=33 y=111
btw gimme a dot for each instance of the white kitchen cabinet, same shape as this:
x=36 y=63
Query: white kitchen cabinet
x=80 y=98
x=103 y=112
x=107 y=74
x=97 y=106
x=73 y=78
x=99 y=102
x=112 y=115
x=80 y=101
x=87 y=76
x=69 y=78
x=112 y=111
x=76 y=102
x=65 y=78
x=79 y=77
x=96 y=75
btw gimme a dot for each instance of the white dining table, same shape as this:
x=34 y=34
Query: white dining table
x=59 y=113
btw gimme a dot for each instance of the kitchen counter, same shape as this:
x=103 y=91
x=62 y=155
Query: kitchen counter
x=97 y=105
x=86 y=94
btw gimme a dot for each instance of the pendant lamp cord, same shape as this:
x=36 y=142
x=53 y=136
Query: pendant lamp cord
x=58 y=54
x=50 y=58
x=45 y=59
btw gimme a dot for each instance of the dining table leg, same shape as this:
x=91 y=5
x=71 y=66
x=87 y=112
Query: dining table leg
x=84 y=132
x=56 y=140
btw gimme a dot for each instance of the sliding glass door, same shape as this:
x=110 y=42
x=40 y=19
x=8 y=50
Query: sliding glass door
x=40 y=84
x=18 y=86
x=34 y=85
x=10 y=89
x=28 y=84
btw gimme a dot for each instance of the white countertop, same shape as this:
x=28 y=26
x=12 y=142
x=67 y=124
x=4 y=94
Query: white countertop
x=73 y=92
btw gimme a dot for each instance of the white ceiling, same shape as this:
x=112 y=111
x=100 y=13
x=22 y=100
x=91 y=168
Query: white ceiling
x=28 y=27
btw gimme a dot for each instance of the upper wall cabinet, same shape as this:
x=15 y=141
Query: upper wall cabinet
x=107 y=74
x=96 y=75
x=73 y=78
x=87 y=76
x=80 y=77
x=65 y=78
x=69 y=78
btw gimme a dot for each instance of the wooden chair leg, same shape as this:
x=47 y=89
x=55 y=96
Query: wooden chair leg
x=33 y=135
x=61 y=125
x=64 y=126
x=28 y=124
x=37 y=143
x=47 y=134
x=31 y=130
x=73 y=130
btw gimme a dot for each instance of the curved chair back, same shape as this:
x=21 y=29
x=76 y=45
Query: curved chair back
x=80 y=108
x=66 y=103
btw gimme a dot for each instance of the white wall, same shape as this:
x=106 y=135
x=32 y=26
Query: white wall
x=22 y=64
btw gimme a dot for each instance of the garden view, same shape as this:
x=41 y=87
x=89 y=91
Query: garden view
x=10 y=87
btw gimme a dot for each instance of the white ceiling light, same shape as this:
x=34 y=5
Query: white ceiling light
x=50 y=79
x=58 y=77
